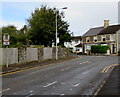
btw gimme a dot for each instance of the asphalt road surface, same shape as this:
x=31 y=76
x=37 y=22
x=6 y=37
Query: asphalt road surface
x=82 y=76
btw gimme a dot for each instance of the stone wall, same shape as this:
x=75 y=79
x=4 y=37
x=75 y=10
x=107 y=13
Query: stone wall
x=9 y=55
x=1 y=50
x=24 y=55
x=31 y=54
x=40 y=54
x=47 y=53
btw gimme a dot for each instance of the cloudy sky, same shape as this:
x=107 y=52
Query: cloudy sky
x=81 y=14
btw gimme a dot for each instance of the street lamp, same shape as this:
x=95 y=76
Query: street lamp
x=56 y=34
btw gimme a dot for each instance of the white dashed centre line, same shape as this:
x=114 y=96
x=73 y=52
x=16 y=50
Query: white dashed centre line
x=85 y=72
x=84 y=62
x=76 y=85
x=5 y=90
x=50 y=84
x=65 y=68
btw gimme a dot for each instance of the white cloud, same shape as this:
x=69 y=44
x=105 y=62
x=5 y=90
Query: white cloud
x=16 y=24
x=81 y=16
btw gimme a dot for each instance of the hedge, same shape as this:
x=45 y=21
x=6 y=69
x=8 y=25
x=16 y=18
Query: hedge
x=99 y=49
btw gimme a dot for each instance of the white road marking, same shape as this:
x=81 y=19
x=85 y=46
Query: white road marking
x=65 y=68
x=5 y=90
x=50 y=84
x=31 y=91
x=62 y=94
x=85 y=72
x=84 y=62
x=76 y=85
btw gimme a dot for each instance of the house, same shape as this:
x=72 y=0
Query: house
x=76 y=40
x=107 y=35
x=79 y=48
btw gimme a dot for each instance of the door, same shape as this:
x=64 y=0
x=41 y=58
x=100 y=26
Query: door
x=113 y=48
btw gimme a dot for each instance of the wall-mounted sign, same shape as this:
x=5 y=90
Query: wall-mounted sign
x=6 y=39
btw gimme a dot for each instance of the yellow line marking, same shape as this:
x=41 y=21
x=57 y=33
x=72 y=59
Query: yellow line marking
x=110 y=67
x=36 y=67
x=107 y=68
x=104 y=69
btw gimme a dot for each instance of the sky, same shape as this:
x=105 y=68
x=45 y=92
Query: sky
x=81 y=14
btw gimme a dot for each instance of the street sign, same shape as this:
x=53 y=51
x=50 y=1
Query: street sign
x=6 y=39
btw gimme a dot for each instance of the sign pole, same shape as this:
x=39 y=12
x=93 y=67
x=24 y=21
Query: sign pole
x=7 y=57
x=6 y=42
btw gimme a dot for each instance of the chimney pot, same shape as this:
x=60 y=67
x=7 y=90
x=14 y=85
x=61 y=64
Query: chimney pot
x=106 y=23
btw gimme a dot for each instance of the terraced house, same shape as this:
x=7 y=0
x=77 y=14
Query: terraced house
x=107 y=35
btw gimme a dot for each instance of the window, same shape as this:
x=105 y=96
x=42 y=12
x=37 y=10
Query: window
x=104 y=38
x=88 y=39
x=95 y=39
x=107 y=37
x=99 y=38
x=112 y=37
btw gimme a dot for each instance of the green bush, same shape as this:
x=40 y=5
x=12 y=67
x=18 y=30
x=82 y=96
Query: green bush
x=99 y=49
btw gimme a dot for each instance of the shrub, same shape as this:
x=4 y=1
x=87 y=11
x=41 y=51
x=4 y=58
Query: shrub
x=99 y=49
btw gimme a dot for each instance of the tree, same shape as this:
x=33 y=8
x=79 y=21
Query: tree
x=12 y=31
x=17 y=37
x=42 y=26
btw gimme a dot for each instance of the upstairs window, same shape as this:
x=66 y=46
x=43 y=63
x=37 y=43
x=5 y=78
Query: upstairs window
x=107 y=37
x=95 y=39
x=88 y=39
x=104 y=38
x=112 y=37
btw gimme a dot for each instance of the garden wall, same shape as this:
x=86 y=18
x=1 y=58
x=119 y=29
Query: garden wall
x=24 y=55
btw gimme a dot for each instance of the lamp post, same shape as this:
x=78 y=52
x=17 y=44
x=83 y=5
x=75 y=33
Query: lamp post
x=56 y=34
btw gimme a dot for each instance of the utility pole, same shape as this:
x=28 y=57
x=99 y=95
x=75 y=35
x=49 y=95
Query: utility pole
x=57 y=33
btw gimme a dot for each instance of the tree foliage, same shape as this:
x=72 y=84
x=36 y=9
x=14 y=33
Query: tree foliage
x=17 y=37
x=42 y=26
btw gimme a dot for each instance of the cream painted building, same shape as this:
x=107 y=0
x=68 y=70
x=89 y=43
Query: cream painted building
x=107 y=35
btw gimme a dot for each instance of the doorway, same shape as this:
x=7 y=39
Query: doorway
x=113 y=49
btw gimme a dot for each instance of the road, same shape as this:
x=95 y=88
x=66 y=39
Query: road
x=81 y=76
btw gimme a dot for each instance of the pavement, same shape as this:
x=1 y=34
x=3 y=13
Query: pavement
x=81 y=76
x=112 y=85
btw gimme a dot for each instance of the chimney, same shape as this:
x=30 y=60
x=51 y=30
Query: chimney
x=106 y=23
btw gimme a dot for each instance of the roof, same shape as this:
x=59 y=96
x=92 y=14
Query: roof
x=76 y=38
x=110 y=30
x=79 y=45
x=101 y=30
x=93 y=31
